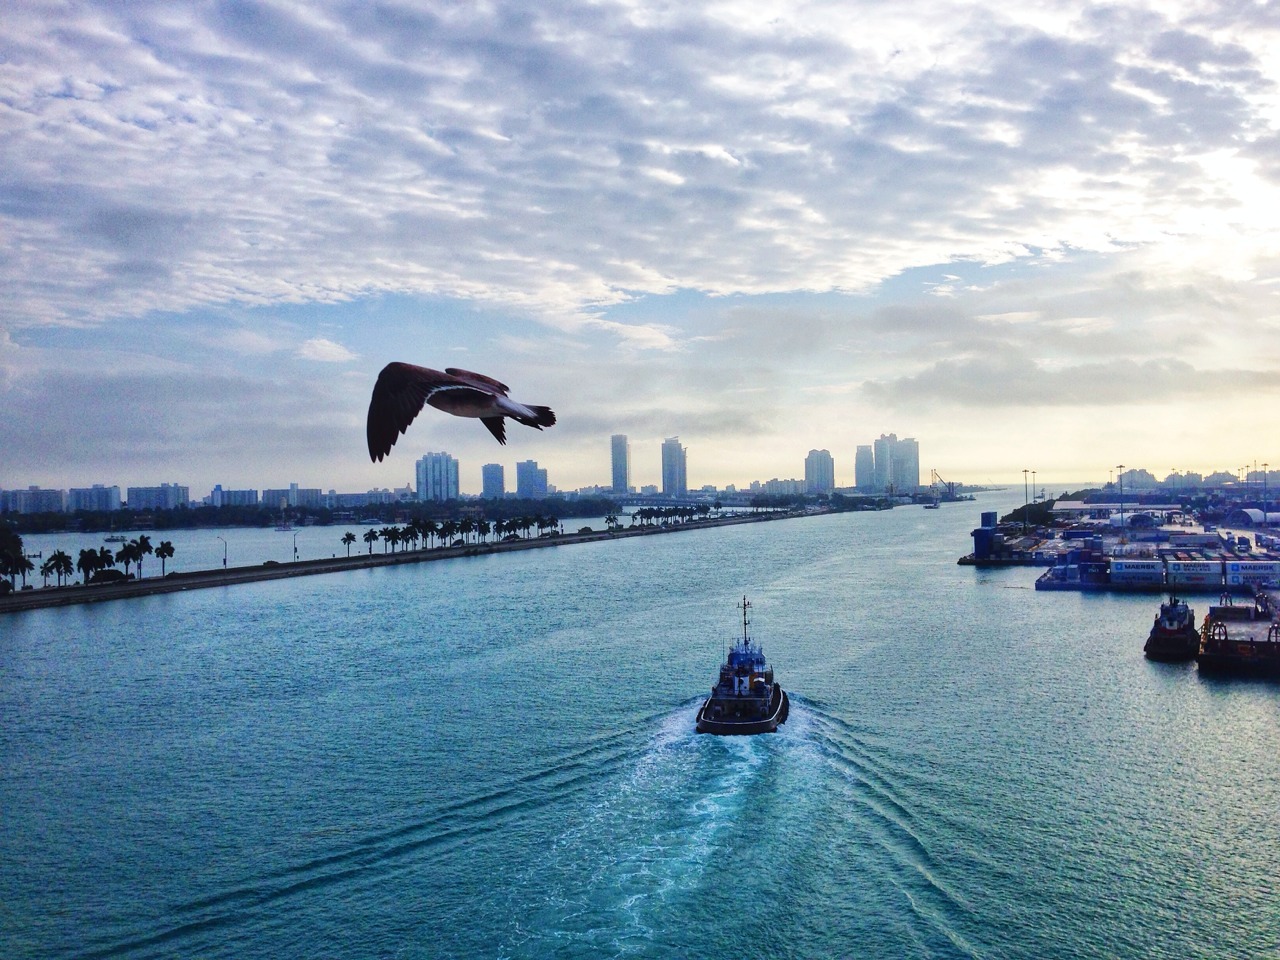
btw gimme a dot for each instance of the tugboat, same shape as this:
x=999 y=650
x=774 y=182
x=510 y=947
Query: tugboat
x=745 y=699
x=1174 y=637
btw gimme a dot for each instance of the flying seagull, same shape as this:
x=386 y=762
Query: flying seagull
x=403 y=388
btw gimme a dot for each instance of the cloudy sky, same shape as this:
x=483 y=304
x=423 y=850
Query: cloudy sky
x=1030 y=235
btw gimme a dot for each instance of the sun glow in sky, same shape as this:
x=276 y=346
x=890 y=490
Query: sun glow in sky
x=1037 y=237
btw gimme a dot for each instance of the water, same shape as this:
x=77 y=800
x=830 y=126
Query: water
x=494 y=757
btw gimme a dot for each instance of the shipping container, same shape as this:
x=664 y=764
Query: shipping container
x=1247 y=573
x=1149 y=572
x=1194 y=573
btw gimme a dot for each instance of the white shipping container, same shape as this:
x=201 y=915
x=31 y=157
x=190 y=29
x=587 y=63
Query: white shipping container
x=1243 y=573
x=1149 y=572
x=1195 y=573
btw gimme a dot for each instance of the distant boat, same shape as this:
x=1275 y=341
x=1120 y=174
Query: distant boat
x=745 y=700
x=284 y=526
x=117 y=538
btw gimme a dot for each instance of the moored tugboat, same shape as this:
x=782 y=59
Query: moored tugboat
x=745 y=700
x=1174 y=637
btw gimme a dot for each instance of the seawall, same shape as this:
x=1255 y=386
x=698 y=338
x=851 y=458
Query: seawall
x=201 y=579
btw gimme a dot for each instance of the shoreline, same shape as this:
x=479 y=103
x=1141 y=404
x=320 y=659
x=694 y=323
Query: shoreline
x=45 y=597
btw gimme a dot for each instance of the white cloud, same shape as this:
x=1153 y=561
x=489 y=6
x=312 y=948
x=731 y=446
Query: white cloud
x=325 y=351
x=159 y=159
x=1089 y=188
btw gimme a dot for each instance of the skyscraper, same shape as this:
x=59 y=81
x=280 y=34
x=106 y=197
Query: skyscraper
x=906 y=466
x=437 y=477
x=864 y=475
x=621 y=464
x=897 y=464
x=493 y=482
x=531 y=480
x=883 y=448
x=675 y=481
x=819 y=472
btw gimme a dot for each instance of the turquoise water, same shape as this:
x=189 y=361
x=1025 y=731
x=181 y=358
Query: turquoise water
x=495 y=757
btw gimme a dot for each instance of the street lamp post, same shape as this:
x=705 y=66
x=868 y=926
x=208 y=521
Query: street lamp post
x=1025 y=502
x=1264 y=495
x=224 y=553
x=1120 y=477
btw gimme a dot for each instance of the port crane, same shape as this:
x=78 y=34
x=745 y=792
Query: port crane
x=938 y=485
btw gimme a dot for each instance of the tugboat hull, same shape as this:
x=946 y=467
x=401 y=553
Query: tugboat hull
x=1168 y=647
x=779 y=707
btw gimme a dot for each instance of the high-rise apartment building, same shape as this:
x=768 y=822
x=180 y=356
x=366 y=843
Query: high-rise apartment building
x=819 y=472
x=232 y=498
x=621 y=463
x=675 y=481
x=437 y=475
x=864 y=474
x=293 y=496
x=531 y=480
x=33 y=500
x=167 y=496
x=906 y=466
x=897 y=464
x=492 y=482
x=97 y=498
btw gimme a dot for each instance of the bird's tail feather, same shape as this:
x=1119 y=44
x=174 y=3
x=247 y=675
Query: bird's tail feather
x=542 y=417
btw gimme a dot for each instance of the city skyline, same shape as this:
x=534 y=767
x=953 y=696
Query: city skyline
x=436 y=471
x=1032 y=234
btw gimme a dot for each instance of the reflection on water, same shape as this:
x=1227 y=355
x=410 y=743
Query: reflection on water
x=495 y=756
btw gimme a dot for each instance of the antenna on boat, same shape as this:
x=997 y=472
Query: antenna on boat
x=744 y=607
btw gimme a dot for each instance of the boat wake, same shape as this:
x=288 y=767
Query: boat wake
x=612 y=882
x=901 y=839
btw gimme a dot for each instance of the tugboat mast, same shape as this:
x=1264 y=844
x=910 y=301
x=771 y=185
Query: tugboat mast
x=744 y=606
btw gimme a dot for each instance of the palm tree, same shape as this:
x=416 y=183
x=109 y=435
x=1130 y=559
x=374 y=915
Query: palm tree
x=66 y=566
x=87 y=563
x=370 y=536
x=22 y=566
x=348 y=538
x=129 y=553
x=430 y=529
x=466 y=525
x=46 y=568
x=10 y=553
x=482 y=529
x=143 y=546
x=385 y=533
x=60 y=563
x=448 y=530
x=106 y=559
x=164 y=552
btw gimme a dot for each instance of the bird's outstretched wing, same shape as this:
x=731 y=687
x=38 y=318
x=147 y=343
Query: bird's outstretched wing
x=398 y=396
x=498 y=427
x=477 y=378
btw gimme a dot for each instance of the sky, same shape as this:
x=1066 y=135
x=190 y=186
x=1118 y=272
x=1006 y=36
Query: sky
x=1042 y=235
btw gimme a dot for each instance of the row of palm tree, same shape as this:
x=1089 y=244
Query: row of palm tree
x=647 y=516
x=476 y=529
x=130 y=554
x=14 y=563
